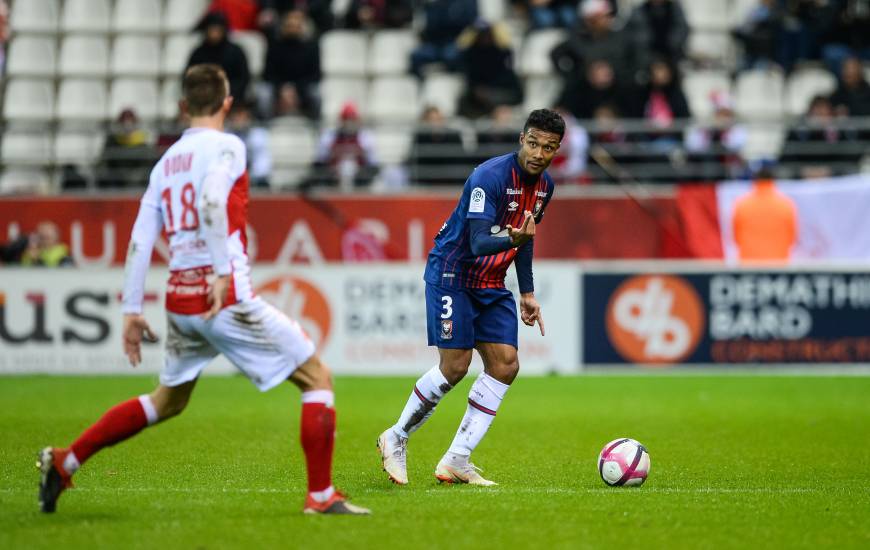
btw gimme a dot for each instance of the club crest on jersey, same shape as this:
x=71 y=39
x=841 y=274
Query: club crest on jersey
x=539 y=204
x=446 y=329
x=512 y=207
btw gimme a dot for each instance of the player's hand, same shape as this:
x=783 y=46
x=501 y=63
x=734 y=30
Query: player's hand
x=530 y=311
x=136 y=329
x=525 y=233
x=217 y=296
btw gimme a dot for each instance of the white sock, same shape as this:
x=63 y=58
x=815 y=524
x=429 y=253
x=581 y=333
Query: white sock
x=71 y=463
x=483 y=402
x=428 y=391
x=324 y=495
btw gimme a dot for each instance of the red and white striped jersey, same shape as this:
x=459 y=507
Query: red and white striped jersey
x=173 y=202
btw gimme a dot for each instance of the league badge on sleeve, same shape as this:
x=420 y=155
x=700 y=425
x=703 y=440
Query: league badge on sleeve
x=478 y=200
x=446 y=329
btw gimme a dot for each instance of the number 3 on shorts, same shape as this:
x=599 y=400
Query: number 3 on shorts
x=448 y=307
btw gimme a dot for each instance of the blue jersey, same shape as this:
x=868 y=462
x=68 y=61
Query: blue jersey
x=495 y=192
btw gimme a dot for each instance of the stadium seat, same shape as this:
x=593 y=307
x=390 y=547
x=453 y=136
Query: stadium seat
x=534 y=57
x=182 y=15
x=32 y=56
x=82 y=55
x=29 y=100
x=77 y=147
x=492 y=10
x=81 y=100
x=288 y=178
x=804 y=84
x=136 y=55
x=763 y=141
x=541 y=92
x=25 y=147
x=699 y=86
x=759 y=94
x=390 y=52
x=176 y=51
x=292 y=145
x=137 y=16
x=442 y=90
x=394 y=98
x=170 y=93
x=740 y=10
x=254 y=45
x=392 y=144
x=85 y=16
x=343 y=53
x=18 y=180
x=139 y=94
x=335 y=91
x=707 y=15
x=709 y=46
x=34 y=16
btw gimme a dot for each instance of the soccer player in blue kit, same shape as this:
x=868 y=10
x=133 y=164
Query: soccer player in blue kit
x=467 y=304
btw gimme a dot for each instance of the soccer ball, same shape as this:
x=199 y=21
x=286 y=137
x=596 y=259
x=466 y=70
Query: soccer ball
x=623 y=461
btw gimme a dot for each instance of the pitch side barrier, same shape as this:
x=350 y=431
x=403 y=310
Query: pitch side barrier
x=369 y=318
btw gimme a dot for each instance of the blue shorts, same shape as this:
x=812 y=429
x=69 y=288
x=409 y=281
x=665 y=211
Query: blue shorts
x=457 y=318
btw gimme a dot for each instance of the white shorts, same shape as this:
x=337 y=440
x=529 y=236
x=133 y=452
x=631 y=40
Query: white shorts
x=263 y=343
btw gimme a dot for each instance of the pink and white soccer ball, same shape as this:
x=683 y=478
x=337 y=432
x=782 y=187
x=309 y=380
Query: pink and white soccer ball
x=623 y=462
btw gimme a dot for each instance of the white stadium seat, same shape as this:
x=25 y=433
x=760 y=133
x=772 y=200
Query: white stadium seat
x=83 y=55
x=740 y=10
x=81 y=100
x=534 y=56
x=176 y=52
x=763 y=141
x=335 y=91
x=26 y=147
x=77 y=147
x=170 y=94
x=707 y=46
x=34 y=16
x=182 y=15
x=492 y=10
x=707 y=14
x=394 y=98
x=541 y=92
x=292 y=146
x=699 y=87
x=804 y=84
x=85 y=16
x=32 y=56
x=137 y=16
x=343 y=53
x=392 y=144
x=29 y=100
x=390 y=52
x=136 y=55
x=288 y=178
x=139 y=94
x=18 y=180
x=442 y=90
x=759 y=94
x=254 y=45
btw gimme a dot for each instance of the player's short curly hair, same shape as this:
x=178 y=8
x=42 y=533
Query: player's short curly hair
x=546 y=120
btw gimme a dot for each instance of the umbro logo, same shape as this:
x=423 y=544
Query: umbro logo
x=512 y=207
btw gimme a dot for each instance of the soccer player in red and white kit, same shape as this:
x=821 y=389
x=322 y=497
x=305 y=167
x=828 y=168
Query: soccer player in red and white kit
x=198 y=194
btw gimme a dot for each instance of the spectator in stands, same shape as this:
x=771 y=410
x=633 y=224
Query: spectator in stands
x=544 y=14
x=45 y=249
x=660 y=27
x=852 y=97
x=216 y=48
x=127 y=157
x=379 y=14
x=292 y=61
x=664 y=102
x=721 y=142
x=607 y=126
x=581 y=97
x=318 y=11
x=437 y=148
x=445 y=20
x=256 y=139
x=241 y=15
x=499 y=134
x=569 y=164
x=346 y=154
x=845 y=32
x=817 y=141
x=781 y=32
x=487 y=61
x=759 y=35
x=765 y=222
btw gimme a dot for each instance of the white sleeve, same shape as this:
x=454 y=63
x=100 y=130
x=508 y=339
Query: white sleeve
x=212 y=206
x=147 y=228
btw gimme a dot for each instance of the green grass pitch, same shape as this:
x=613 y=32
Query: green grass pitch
x=766 y=462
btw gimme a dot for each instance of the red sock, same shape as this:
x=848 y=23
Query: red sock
x=120 y=422
x=318 y=440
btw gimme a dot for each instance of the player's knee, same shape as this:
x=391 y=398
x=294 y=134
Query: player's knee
x=312 y=375
x=169 y=406
x=456 y=366
x=505 y=370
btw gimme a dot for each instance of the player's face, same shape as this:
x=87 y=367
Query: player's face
x=537 y=149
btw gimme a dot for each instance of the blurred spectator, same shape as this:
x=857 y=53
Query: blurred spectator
x=346 y=154
x=436 y=150
x=216 y=48
x=71 y=178
x=759 y=35
x=445 y=20
x=487 y=60
x=781 y=32
x=852 y=97
x=720 y=142
x=552 y=13
x=582 y=96
x=45 y=249
x=664 y=102
x=170 y=132
x=595 y=38
x=607 y=126
x=379 y=14
x=845 y=32
x=765 y=222
x=292 y=61
x=817 y=142
x=318 y=11
x=241 y=15
x=660 y=27
x=4 y=33
x=256 y=139
x=499 y=134
x=127 y=156
x=569 y=164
